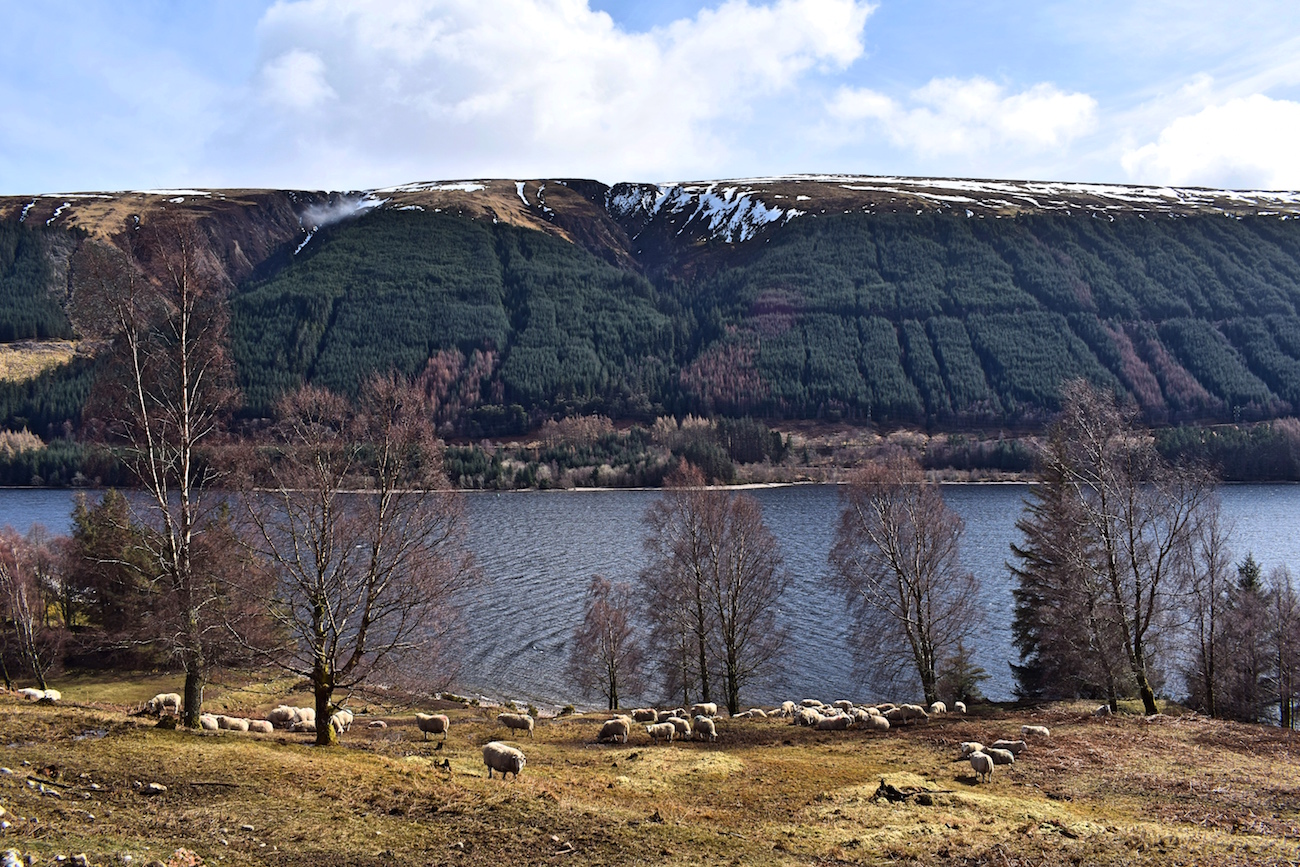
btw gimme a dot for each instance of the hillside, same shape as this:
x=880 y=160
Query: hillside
x=947 y=303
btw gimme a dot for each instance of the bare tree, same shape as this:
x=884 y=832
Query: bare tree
x=165 y=391
x=1139 y=513
x=1284 y=634
x=364 y=580
x=1210 y=597
x=22 y=608
x=895 y=558
x=712 y=587
x=607 y=654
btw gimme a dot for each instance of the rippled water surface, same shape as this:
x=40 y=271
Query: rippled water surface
x=538 y=551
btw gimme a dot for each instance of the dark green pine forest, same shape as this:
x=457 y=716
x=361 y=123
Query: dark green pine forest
x=935 y=319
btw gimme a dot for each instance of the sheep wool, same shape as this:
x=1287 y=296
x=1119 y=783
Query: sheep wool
x=503 y=758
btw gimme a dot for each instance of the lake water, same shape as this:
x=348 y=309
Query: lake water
x=538 y=551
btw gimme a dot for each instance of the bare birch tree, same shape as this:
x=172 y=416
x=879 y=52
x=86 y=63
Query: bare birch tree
x=35 y=641
x=712 y=587
x=364 y=543
x=895 y=558
x=162 y=399
x=607 y=654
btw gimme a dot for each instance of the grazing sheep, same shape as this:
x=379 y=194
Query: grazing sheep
x=164 y=701
x=906 y=713
x=304 y=725
x=433 y=724
x=705 y=708
x=263 y=726
x=959 y=706
x=705 y=729
x=1000 y=757
x=757 y=713
x=506 y=759
x=645 y=715
x=807 y=716
x=877 y=722
x=1104 y=710
x=520 y=721
x=787 y=709
x=938 y=707
x=52 y=695
x=1013 y=747
x=376 y=724
x=886 y=707
x=982 y=765
x=232 y=723
x=664 y=730
x=32 y=694
x=682 y=725
x=968 y=747
x=837 y=723
x=616 y=729
x=209 y=722
x=341 y=721
x=811 y=702
x=1036 y=731
x=282 y=717
x=843 y=704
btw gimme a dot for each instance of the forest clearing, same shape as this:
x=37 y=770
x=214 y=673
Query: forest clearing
x=1172 y=789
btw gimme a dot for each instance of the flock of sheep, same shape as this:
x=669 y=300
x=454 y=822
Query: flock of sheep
x=660 y=725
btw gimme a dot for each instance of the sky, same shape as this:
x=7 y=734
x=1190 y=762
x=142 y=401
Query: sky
x=360 y=94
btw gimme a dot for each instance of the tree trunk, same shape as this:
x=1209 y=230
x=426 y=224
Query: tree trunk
x=193 y=704
x=323 y=688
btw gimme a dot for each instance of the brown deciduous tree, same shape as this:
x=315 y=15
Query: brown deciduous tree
x=711 y=587
x=160 y=400
x=363 y=540
x=607 y=654
x=24 y=626
x=895 y=558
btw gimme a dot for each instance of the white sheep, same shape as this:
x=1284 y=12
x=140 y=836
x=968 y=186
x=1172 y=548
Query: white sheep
x=433 y=724
x=838 y=723
x=52 y=695
x=232 y=723
x=807 y=716
x=616 y=729
x=664 y=730
x=304 y=725
x=787 y=709
x=877 y=722
x=982 y=765
x=682 y=725
x=31 y=694
x=1013 y=747
x=1036 y=731
x=705 y=708
x=705 y=728
x=501 y=757
x=341 y=721
x=757 y=713
x=645 y=715
x=968 y=747
x=959 y=706
x=520 y=721
x=282 y=716
x=376 y=724
x=262 y=726
x=843 y=704
x=906 y=713
x=811 y=702
x=164 y=701
x=938 y=707
x=1103 y=710
x=1000 y=757
x=209 y=722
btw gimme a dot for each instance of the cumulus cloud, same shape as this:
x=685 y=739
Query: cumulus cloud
x=1248 y=142
x=967 y=116
x=394 y=90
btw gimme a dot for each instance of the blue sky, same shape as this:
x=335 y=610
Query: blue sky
x=349 y=94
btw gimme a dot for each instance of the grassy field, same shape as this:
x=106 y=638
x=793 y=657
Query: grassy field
x=1170 y=790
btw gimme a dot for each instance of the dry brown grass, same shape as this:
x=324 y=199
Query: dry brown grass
x=20 y=362
x=1118 y=791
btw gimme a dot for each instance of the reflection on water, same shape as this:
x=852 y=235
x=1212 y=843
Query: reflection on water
x=538 y=551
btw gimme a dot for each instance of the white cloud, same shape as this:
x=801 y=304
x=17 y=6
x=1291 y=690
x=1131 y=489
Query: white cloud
x=386 y=91
x=967 y=116
x=1248 y=142
x=296 y=80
